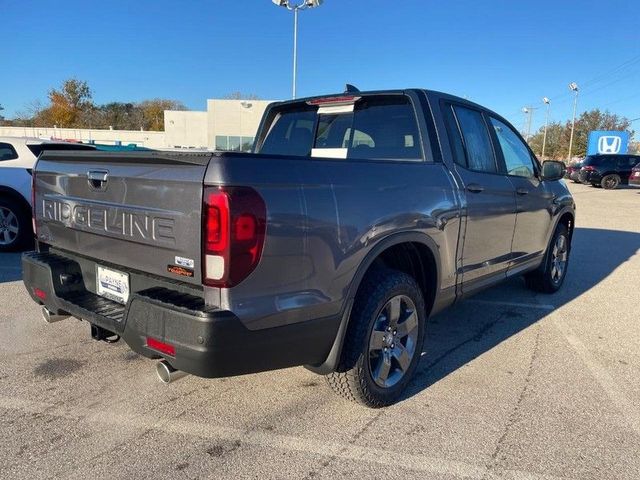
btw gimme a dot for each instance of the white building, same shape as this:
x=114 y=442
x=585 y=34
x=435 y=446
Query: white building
x=225 y=125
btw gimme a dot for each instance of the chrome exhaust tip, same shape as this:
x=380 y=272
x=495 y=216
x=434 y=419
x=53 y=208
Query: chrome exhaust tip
x=51 y=317
x=167 y=374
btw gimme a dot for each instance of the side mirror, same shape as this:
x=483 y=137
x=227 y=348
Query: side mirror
x=553 y=170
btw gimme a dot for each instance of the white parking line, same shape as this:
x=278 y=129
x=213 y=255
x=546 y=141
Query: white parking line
x=541 y=306
x=627 y=408
x=270 y=440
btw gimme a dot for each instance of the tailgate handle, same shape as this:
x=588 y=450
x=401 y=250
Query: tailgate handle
x=97 y=179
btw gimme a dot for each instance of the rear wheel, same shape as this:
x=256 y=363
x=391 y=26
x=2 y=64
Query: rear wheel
x=610 y=182
x=550 y=276
x=384 y=340
x=15 y=225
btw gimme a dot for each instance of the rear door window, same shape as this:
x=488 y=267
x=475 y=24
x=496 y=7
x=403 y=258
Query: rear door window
x=609 y=162
x=455 y=139
x=600 y=161
x=7 y=152
x=477 y=143
x=380 y=127
x=627 y=163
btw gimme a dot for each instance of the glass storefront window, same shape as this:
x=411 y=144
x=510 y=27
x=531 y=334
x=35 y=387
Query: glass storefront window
x=222 y=142
x=234 y=144
x=247 y=144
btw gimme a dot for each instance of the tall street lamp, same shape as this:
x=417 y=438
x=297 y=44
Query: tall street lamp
x=295 y=8
x=528 y=111
x=573 y=86
x=547 y=102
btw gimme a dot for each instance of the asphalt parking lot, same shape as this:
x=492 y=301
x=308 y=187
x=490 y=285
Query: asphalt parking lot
x=512 y=384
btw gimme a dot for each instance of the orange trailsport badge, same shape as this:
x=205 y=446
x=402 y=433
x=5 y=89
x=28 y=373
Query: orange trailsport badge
x=185 y=272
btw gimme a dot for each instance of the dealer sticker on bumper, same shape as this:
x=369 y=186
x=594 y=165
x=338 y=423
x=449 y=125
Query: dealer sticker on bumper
x=112 y=284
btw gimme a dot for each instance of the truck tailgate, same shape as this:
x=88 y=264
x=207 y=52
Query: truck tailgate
x=138 y=210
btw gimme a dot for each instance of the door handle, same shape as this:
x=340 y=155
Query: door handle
x=475 y=188
x=522 y=191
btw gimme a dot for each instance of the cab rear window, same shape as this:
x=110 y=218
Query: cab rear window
x=380 y=127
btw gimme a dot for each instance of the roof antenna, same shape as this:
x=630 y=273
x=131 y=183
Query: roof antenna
x=350 y=89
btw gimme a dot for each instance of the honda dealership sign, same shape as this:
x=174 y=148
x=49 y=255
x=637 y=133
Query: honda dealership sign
x=611 y=142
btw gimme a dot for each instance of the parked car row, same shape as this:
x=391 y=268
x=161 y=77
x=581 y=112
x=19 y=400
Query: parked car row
x=634 y=179
x=573 y=171
x=606 y=171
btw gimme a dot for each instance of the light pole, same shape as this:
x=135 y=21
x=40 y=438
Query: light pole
x=529 y=112
x=295 y=8
x=547 y=102
x=573 y=86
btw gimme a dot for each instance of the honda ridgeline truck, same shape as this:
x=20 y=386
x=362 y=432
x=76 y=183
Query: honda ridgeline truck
x=355 y=217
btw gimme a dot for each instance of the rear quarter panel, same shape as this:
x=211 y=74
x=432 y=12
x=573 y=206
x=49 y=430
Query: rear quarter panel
x=324 y=217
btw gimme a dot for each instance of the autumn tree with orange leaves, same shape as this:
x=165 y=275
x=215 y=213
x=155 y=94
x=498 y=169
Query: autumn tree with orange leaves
x=72 y=106
x=67 y=104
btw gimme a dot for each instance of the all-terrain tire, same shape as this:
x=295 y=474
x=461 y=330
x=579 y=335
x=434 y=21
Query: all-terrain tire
x=353 y=379
x=545 y=279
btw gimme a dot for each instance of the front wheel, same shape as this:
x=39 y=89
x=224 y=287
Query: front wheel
x=384 y=340
x=550 y=276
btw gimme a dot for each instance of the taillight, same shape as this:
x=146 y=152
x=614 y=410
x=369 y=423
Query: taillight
x=33 y=202
x=588 y=168
x=234 y=225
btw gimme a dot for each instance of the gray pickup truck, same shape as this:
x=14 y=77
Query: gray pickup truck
x=355 y=217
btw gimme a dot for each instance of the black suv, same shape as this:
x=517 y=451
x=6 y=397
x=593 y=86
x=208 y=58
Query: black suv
x=608 y=171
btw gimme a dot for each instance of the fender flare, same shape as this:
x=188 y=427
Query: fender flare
x=333 y=358
x=559 y=214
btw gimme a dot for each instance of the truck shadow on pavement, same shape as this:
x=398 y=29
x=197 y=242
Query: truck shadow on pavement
x=10 y=267
x=462 y=333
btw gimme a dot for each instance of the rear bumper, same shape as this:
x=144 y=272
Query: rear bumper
x=208 y=342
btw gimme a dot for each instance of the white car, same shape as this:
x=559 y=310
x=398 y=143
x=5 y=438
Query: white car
x=17 y=157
